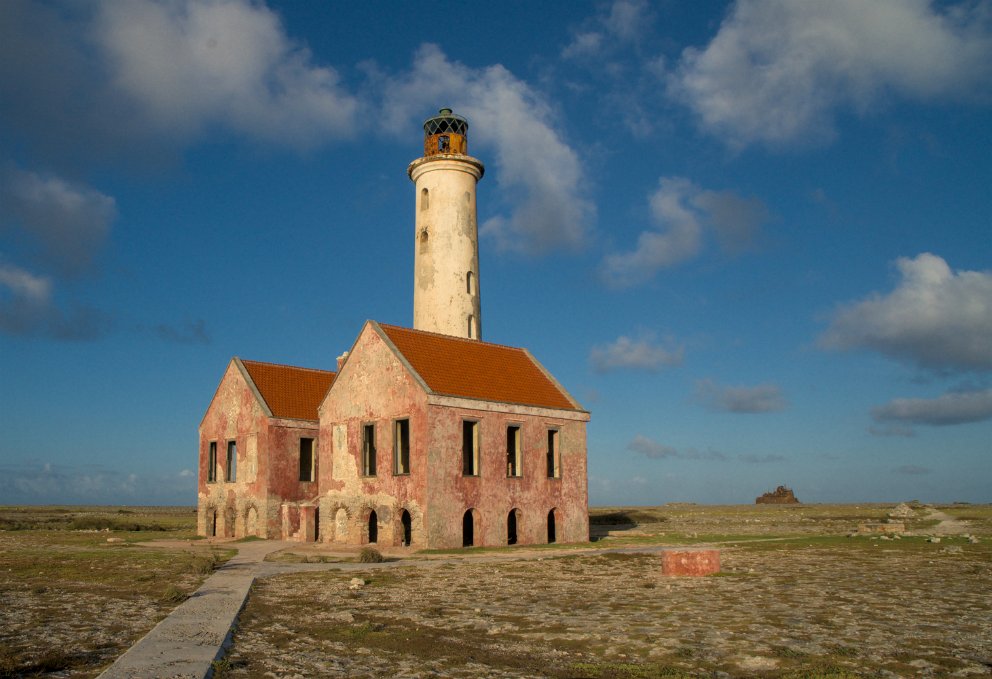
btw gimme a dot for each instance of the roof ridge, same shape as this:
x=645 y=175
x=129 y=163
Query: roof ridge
x=286 y=365
x=451 y=337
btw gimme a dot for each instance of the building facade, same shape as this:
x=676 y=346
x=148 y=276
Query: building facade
x=426 y=436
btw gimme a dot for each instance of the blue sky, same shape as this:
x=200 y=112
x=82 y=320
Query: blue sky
x=754 y=239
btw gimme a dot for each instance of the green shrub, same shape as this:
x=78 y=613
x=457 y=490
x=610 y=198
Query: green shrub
x=370 y=555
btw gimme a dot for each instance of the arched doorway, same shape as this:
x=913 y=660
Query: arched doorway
x=316 y=524
x=373 y=528
x=511 y=526
x=468 y=529
x=212 y=522
x=230 y=516
x=552 y=537
x=407 y=528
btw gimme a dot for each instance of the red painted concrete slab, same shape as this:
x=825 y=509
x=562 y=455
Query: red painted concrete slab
x=690 y=561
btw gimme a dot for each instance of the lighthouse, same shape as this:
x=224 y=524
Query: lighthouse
x=446 y=288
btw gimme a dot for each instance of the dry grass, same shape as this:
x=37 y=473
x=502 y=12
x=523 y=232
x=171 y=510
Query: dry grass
x=70 y=602
x=796 y=598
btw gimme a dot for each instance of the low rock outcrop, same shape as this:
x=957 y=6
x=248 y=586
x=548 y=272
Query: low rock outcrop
x=779 y=496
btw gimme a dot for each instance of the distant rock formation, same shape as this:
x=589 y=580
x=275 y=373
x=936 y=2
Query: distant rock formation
x=779 y=496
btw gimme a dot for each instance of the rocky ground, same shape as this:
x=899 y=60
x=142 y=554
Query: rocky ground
x=814 y=604
x=800 y=594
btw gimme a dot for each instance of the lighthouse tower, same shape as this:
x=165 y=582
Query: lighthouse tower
x=446 y=264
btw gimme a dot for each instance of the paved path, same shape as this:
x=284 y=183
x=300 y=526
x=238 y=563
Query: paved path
x=195 y=634
x=185 y=644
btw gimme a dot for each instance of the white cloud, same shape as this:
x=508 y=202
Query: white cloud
x=659 y=451
x=935 y=318
x=24 y=285
x=761 y=398
x=642 y=353
x=538 y=174
x=188 y=65
x=88 y=484
x=778 y=71
x=948 y=409
x=623 y=23
x=67 y=222
x=682 y=212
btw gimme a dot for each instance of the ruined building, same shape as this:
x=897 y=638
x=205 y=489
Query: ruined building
x=427 y=436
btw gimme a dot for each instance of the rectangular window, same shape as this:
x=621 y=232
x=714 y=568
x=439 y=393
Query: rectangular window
x=231 y=472
x=212 y=463
x=401 y=447
x=368 y=450
x=554 y=455
x=307 y=466
x=513 y=451
x=470 y=448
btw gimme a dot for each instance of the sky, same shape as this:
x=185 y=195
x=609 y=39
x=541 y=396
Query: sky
x=752 y=238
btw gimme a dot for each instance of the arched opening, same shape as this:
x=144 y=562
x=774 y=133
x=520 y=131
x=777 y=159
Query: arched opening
x=341 y=525
x=407 y=524
x=316 y=524
x=468 y=529
x=468 y=282
x=511 y=526
x=552 y=536
x=423 y=240
x=212 y=522
x=425 y=199
x=251 y=522
x=373 y=528
x=471 y=326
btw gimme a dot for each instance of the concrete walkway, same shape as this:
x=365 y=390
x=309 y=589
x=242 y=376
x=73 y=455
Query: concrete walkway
x=196 y=633
x=185 y=644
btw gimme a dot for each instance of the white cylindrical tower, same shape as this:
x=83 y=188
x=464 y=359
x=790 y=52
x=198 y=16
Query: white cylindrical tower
x=446 y=261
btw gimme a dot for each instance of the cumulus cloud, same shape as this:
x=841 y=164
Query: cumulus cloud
x=948 y=409
x=778 y=71
x=624 y=22
x=189 y=65
x=659 y=451
x=50 y=483
x=27 y=308
x=761 y=398
x=642 y=353
x=66 y=223
x=539 y=175
x=935 y=318
x=682 y=212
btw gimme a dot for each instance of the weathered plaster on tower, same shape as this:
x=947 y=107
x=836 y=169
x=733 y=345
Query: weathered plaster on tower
x=446 y=295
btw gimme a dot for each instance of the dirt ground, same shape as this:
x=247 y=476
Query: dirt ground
x=800 y=594
x=796 y=597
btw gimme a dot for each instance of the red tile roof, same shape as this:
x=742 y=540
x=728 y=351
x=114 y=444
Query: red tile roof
x=290 y=391
x=455 y=366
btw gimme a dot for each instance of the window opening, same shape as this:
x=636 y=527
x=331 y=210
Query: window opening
x=511 y=527
x=554 y=455
x=407 y=528
x=552 y=537
x=213 y=523
x=306 y=460
x=470 y=448
x=316 y=524
x=443 y=143
x=231 y=473
x=373 y=528
x=513 y=451
x=212 y=463
x=401 y=447
x=468 y=282
x=368 y=450
x=425 y=199
x=471 y=324
x=423 y=240
x=468 y=529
